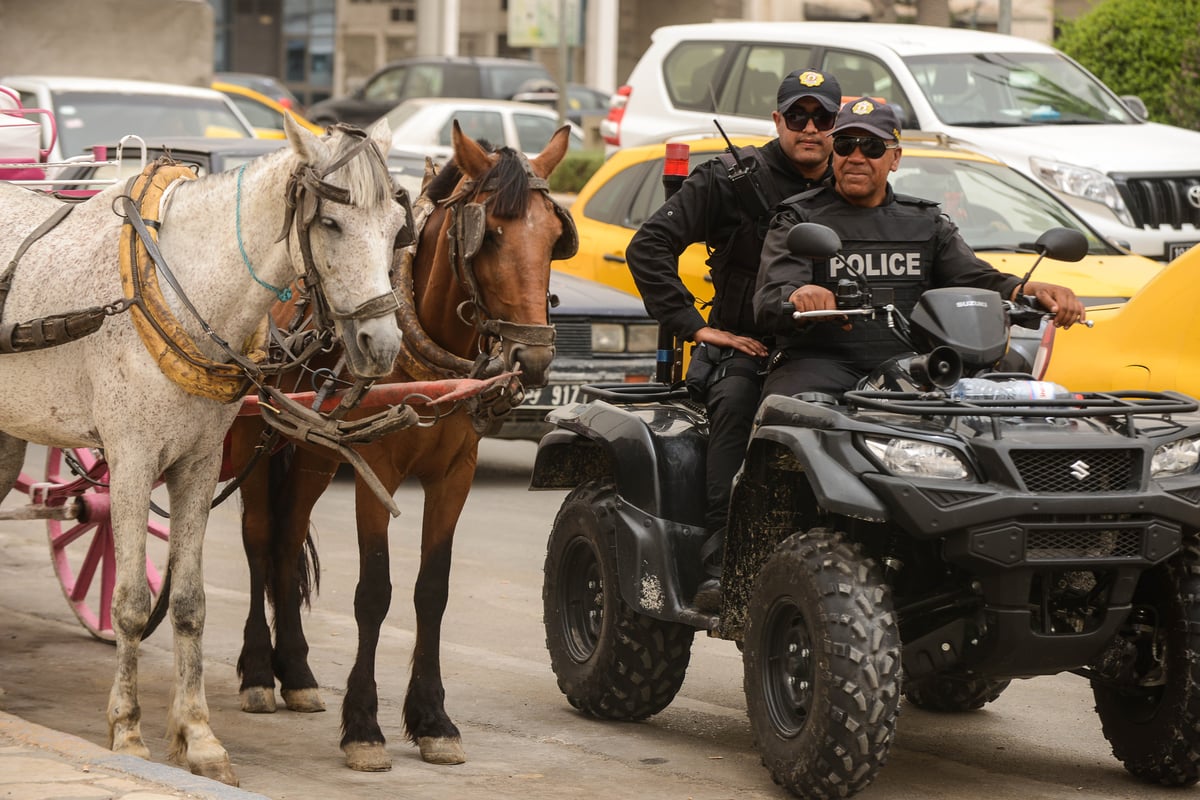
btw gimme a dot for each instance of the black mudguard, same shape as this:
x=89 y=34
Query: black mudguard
x=654 y=456
x=819 y=437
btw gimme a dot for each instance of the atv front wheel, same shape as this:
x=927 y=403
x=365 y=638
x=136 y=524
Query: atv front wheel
x=611 y=661
x=952 y=693
x=822 y=666
x=1153 y=723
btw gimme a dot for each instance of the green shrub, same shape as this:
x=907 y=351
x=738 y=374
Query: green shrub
x=1183 y=104
x=1136 y=47
x=574 y=170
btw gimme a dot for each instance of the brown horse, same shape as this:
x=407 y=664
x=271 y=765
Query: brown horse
x=480 y=280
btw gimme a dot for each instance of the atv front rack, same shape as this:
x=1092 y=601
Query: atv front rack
x=1127 y=404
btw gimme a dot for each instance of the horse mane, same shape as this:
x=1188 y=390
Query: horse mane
x=510 y=197
x=367 y=179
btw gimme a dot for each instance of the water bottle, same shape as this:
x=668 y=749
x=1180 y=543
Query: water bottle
x=984 y=389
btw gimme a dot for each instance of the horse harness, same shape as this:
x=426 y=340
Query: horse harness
x=51 y=331
x=419 y=356
x=172 y=347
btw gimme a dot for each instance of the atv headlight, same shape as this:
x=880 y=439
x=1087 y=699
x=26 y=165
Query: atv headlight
x=910 y=458
x=1082 y=182
x=1175 y=458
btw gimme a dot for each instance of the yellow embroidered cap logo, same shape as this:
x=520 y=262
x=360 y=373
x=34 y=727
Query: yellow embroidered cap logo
x=810 y=79
x=863 y=107
x=895 y=133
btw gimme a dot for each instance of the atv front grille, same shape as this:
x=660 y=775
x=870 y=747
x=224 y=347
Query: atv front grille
x=1083 y=543
x=1155 y=200
x=1079 y=471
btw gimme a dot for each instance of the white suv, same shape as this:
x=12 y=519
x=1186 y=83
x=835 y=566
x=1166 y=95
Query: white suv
x=1020 y=101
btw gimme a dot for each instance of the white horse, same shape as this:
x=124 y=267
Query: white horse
x=220 y=236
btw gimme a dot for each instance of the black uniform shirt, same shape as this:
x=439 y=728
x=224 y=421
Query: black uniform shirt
x=705 y=209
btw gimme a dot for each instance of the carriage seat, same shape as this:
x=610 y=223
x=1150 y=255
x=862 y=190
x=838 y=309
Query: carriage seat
x=20 y=139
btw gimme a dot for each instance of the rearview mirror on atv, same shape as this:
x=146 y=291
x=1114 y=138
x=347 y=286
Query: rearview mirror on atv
x=1062 y=244
x=813 y=240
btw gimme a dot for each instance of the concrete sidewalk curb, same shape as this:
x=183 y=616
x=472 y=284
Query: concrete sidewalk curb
x=92 y=759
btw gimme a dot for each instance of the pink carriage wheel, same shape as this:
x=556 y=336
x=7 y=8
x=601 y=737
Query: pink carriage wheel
x=82 y=549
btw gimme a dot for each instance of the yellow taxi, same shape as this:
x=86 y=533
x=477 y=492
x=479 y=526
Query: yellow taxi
x=265 y=114
x=1147 y=343
x=998 y=210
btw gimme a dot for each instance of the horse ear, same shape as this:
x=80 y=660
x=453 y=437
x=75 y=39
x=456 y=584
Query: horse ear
x=545 y=162
x=472 y=159
x=304 y=141
x=381 y=134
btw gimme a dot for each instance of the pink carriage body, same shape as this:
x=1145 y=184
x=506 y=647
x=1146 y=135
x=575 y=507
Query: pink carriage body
x=21 y=153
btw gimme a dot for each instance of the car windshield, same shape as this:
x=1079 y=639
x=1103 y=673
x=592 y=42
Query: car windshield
x=260 y=116
x=994 y=206
x=505 y=81
x=89 y=118
x=1002 y=89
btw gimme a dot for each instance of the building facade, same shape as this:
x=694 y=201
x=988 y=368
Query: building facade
x=328 y=47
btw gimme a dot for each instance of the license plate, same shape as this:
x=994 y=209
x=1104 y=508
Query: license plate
x=556 y=394
x=1176 y=249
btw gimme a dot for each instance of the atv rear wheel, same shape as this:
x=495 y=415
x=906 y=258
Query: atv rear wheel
x=1153 y=724
x=822 y=666
x=952 y=693
x=611 y=661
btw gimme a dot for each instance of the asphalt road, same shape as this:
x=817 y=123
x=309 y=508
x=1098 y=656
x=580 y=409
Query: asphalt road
x=1041 y=739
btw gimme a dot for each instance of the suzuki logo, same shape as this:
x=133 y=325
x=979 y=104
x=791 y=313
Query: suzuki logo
x=1080 y=470
x=1193 y=195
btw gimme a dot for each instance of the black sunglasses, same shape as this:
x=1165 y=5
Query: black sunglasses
x=797 y=120
x=871 y=146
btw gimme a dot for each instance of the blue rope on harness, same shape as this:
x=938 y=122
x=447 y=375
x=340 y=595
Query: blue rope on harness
x=285 y=293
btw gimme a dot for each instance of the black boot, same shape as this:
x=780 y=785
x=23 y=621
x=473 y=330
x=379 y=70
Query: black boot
x=708 y=593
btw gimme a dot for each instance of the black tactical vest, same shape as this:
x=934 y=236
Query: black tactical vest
x=734 y=264
x=891 y=246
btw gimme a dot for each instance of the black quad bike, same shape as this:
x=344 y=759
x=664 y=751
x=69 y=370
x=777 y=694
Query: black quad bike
x=912 y=537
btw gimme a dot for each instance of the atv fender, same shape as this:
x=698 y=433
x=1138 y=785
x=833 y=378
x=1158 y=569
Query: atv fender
x=653 y=455
x=815 y=434
x=654 y=458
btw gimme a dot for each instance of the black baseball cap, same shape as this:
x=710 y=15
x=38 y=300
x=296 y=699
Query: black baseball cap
x=869 y=115
x=818 y=85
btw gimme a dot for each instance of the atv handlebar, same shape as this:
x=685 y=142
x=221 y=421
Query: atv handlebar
x=1027 y=312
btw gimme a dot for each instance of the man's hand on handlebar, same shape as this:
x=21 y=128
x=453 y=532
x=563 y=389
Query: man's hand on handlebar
x=811 y=297
x=1058 y=300
x=719 y=338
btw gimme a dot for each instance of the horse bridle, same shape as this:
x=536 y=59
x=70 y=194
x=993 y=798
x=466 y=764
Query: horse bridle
x=468 y=227
x=306 y=190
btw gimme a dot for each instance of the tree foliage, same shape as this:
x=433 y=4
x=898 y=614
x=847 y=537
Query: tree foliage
x=1138 y=47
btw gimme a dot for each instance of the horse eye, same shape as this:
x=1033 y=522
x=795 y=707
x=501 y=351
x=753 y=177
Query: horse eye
x=330 y=224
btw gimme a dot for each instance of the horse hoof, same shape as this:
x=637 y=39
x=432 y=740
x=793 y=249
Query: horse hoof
x=133 y=747
x=258 y=700
x=220 y=770
x=307 y=701
x=367 y=757
x=441 y=750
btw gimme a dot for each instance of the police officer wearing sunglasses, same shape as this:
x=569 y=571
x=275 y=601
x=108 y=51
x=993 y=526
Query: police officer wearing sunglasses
x=730 y=358
x=897 y=241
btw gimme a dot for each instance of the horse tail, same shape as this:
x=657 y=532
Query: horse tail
x=308 y=565
x=159 y=612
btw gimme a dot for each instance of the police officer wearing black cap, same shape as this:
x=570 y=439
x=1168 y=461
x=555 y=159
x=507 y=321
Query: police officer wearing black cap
x=730 y=357
x=897 y=241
